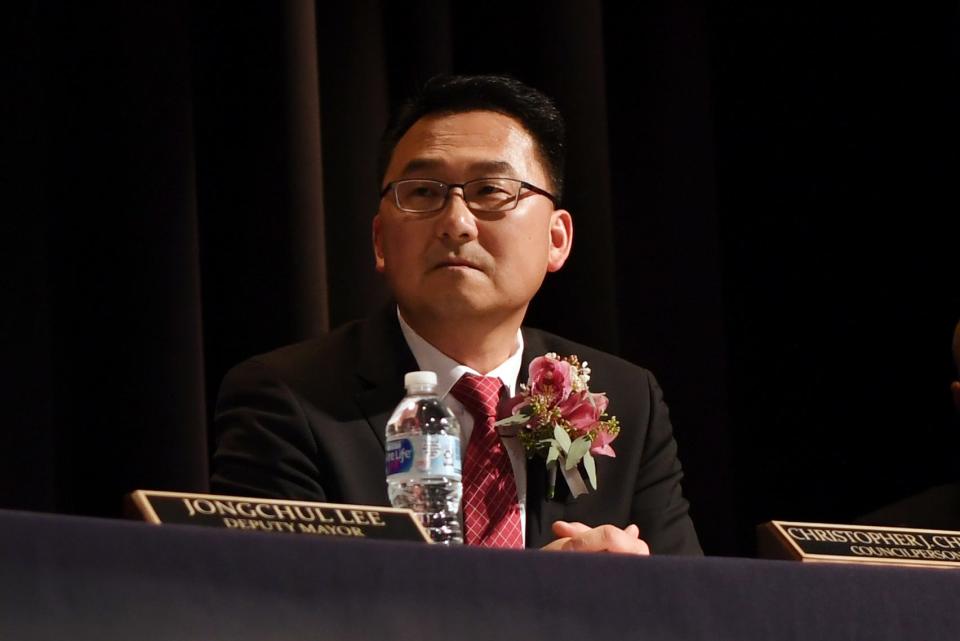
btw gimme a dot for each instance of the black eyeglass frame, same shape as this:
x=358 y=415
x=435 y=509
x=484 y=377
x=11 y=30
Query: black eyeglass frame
x=449 y=186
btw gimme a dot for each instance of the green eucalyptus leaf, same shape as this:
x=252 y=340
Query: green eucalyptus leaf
x=553 y=453
x=590 y=465
x=516 y=419
x=562 y=438
x=576 y=452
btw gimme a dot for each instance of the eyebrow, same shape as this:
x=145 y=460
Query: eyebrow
x=490 y=167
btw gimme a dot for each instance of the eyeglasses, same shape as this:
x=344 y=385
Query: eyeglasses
x=421 y=196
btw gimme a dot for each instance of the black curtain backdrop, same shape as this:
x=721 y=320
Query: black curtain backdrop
x=764 y=198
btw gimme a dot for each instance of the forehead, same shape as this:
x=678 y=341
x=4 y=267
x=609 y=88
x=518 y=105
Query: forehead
x=466 y=145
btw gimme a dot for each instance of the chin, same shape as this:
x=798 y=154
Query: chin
x=451 y=306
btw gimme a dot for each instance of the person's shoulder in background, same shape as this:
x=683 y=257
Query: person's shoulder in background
x=936 y=508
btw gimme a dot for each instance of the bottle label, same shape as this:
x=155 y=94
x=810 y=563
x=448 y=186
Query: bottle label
x=424 y=455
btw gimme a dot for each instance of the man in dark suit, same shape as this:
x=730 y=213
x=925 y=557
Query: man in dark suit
x=468 y=227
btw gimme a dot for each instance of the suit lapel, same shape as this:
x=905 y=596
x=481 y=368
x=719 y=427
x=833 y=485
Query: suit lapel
x=384 y=359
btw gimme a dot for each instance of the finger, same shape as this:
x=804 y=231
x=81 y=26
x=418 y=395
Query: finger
x=557 y=545
x=567 y=529
x=642 y=548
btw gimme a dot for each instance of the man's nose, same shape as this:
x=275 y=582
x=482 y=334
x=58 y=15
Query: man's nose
x=456 y=221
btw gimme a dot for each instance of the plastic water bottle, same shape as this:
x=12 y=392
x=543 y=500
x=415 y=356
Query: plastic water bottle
x=423 y=459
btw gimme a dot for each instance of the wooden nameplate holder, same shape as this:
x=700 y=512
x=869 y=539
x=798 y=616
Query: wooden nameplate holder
x=870 y=544
x=275 y=515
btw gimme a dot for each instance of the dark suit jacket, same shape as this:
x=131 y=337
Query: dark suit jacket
x=307 y=422
x=936 y=508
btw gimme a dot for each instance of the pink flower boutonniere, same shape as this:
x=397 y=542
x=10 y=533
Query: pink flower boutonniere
x=556 y=416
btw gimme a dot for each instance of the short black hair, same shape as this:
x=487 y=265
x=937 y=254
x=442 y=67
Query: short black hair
x=452 y=94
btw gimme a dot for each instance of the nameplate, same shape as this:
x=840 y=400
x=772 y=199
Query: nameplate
x=277 y=516
x=872 y=544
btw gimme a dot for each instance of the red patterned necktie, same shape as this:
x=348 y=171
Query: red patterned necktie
x=491 y=516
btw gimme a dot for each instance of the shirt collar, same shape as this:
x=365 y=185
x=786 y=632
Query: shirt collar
x=449 y=371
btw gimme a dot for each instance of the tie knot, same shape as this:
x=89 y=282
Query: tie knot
x=480 y=395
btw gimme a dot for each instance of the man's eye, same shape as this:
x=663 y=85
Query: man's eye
x=423 y=191
x=490 y=190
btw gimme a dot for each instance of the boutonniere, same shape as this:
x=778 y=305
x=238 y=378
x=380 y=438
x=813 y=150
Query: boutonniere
x=556 y=416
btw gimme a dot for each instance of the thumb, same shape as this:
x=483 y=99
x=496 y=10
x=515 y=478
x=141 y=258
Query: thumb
x=564 y=529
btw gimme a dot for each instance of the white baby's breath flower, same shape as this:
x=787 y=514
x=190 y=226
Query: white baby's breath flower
x=584 y=373
x=579 y=374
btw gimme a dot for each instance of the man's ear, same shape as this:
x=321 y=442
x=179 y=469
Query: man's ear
x=561 y=239
x=377 y=246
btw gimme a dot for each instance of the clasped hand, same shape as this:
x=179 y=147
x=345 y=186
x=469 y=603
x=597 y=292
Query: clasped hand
x=577 y=537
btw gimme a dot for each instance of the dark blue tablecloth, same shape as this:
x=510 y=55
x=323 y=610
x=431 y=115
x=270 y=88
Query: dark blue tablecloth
x=79 y=578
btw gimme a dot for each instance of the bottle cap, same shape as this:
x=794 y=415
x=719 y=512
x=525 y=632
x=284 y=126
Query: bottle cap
x=419 y=379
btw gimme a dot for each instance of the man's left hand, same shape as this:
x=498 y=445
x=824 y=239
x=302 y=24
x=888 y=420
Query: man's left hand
x=578 y=537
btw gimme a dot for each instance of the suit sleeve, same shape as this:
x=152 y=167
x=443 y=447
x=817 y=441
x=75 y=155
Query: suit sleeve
x=658 y=506
x=264 y=444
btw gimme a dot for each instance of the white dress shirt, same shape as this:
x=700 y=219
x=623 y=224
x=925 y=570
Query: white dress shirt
x=448 y=371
